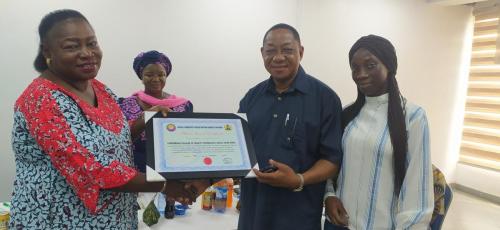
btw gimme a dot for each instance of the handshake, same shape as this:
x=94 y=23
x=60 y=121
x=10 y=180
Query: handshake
x=185 y=191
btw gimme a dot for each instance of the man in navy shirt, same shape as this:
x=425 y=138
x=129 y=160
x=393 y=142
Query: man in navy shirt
x=295 y=124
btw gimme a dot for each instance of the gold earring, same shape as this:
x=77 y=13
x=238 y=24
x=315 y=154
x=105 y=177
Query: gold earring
x=48 y=61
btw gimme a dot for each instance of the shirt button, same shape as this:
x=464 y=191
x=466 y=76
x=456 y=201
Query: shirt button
x=279 y=98
x=275 y=115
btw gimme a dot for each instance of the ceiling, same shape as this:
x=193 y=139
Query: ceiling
x=453 y=2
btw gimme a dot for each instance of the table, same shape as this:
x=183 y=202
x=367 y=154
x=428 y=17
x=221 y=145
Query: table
x=197 y=218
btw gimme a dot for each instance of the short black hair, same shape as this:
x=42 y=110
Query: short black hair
x=48 y=23
x=290 y=28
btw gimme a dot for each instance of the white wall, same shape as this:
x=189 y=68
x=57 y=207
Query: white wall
x=214 y=47
x=477 y=178
x=429 y=41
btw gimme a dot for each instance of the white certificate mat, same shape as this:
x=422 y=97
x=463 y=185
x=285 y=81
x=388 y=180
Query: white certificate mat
x=199 y=145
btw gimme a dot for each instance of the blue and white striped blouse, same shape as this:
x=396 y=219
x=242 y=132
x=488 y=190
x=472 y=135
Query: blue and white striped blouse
x=365 y=183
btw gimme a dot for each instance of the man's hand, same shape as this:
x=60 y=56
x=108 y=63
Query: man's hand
x=335 y=210
x=196 y=187
x=283 y=177
x=176 y=190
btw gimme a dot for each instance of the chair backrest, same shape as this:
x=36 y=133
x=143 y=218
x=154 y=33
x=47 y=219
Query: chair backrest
x=442 y=199
x=448 y=197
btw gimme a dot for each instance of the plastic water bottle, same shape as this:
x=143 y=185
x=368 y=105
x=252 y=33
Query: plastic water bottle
x=220 y=199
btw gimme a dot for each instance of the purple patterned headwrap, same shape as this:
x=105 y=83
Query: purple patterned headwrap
x=151 y=57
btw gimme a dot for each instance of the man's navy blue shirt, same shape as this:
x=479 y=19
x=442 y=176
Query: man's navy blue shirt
x=297 y=127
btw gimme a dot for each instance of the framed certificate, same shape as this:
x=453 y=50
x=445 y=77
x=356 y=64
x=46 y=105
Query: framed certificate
x=198 y=145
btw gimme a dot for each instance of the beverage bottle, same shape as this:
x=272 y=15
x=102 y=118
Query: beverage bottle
x=220 y=199
x=207 y=199
x=230 y=184
x=169 y=208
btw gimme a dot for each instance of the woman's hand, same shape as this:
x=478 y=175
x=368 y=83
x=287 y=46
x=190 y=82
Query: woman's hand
x=283 y=177
x=197 y=187
x=177 y=191
x=137 y=127
x=335 y=210
x=159 y=108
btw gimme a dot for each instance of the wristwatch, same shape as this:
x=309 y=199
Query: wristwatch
x=301 y=186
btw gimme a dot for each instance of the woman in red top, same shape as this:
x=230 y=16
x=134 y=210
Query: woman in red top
x=74 y=167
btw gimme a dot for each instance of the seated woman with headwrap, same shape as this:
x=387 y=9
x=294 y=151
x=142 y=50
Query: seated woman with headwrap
x=152 y=68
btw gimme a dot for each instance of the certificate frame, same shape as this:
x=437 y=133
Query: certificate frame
x=153 y=140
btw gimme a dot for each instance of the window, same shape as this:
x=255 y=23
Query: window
x=481 y=131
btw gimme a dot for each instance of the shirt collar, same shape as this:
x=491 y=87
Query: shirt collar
x=377 y=100
x=299 y=83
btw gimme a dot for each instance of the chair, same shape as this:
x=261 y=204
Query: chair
x=443 y=196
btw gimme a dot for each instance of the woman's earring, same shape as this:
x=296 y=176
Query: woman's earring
x=48 y=61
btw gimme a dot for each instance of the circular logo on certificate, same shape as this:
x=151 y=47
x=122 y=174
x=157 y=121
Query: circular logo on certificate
x=171 y=127
x=207 y=160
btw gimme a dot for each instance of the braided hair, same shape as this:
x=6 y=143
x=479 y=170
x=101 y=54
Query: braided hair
x=386 y=53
